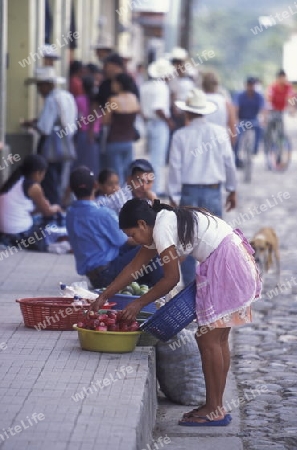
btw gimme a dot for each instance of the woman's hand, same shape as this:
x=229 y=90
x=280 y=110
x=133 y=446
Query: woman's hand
x=131 y=311
x=97 y=304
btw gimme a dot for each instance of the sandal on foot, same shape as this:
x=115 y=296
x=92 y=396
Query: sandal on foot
x=207 y=422
x=191 y=413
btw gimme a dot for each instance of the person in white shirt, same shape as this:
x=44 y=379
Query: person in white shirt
x=59 y=113
x=21 y=196
x=201 y=162
x=155 y=107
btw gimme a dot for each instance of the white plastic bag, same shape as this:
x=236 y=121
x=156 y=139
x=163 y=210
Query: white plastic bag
x=79 y=289
x=179 y=371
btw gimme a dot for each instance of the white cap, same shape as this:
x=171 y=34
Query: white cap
x=160 y=68
x=48 y=51
x=179 y=53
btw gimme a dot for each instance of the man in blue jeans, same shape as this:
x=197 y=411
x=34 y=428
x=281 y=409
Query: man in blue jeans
x=100 y=248
x=249 y=104
x=201 y=162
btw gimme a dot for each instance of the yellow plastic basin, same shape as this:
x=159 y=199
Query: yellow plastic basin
x=107 y=341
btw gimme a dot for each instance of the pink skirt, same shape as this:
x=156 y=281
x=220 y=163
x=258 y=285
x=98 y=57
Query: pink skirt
x=227 y=283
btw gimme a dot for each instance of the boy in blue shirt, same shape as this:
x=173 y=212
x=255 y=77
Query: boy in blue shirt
x=100 y=248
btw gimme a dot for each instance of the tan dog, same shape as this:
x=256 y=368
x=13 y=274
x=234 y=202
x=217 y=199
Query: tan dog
x=265 y=244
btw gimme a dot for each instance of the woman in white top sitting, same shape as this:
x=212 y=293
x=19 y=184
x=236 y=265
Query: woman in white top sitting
x=227 y=282
x=20 y=197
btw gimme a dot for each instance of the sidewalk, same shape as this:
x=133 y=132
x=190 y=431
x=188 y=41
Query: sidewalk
x=44 y=374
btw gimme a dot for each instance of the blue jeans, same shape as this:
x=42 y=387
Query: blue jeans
x=119 y=156
x=52 y=181
x=127 y=253
x=199 y=197
x=258 y=136
x=157 y=142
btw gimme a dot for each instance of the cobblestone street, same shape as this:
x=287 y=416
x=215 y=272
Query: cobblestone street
x=265 y=352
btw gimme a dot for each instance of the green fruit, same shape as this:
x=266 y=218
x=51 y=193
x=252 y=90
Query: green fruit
x=143 y=291
x=126 y=293
x=144 y=286
x=129 y=289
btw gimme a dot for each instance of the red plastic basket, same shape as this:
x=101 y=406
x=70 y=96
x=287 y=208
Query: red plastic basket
x=51 y=313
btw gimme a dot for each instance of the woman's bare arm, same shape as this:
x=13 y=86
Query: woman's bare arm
x=35 y=192
x=169 y=262
x=126 y=277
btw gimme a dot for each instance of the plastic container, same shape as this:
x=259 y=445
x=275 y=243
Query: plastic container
x=122 y=300
x=107 y=341
x=175 y=315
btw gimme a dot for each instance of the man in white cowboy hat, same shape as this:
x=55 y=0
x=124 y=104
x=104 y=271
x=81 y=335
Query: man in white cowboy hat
x=59 y=112
x=201 y=162
x=155 y=106
x=180 y=85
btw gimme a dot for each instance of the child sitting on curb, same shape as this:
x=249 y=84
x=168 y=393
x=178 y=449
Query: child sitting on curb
x=99 y=246
x=139 y=185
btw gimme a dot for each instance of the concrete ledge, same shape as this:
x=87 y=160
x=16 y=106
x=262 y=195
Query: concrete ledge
x=89 y=400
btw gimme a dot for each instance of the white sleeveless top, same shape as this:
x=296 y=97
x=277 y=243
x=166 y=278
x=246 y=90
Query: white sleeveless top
x=220 y=116
x=15 y=210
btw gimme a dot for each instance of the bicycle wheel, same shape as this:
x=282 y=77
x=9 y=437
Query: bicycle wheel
x=279 y=155
x=247 y=152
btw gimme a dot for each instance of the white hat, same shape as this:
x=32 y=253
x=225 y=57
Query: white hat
x=103 y=43
x=160 y=68
x=126 y=54
x=48 y=51
x=197 y=103
x=179 y=53
x=46 y=73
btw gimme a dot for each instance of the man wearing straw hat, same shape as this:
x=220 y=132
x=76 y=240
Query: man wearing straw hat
x=59 y=113
x=155 y=106
x=201 y=162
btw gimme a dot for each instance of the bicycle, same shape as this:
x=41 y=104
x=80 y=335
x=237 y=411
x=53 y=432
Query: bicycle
x=278 y=148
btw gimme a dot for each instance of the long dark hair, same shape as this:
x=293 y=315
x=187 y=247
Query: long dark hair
x=137 y=209
x=105 y=174
x=31 y=164
x=125 y=81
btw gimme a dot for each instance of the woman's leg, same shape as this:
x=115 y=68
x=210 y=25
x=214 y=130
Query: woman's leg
x=215 y=357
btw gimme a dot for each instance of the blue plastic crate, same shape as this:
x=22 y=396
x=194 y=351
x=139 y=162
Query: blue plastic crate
x=122 y=300
x=175 y=315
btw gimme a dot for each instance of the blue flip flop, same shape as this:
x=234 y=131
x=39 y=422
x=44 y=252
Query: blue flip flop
x=208 y=423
